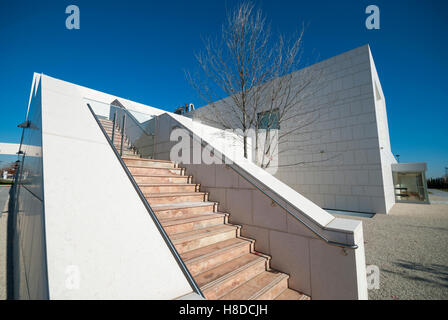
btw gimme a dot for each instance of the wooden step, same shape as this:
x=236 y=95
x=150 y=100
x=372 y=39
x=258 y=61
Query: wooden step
x=168 y=187
x=154 y=170
x=209 y=257
x=108 y=127
x=226 y=277
x=172 y=197
x=265 y=286
x=193 y=222
x=148 y=163
x=106 y=122
x=162 y=179
x=289 y=294
x=195 y=239
x=164 y=211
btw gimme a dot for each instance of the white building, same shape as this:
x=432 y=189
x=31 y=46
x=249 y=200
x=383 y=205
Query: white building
x=103 y=213
x=343 y=156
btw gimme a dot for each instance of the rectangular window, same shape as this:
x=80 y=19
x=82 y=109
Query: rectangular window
x=269 y=120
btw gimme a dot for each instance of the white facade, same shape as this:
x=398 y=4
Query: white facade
x=81 y=231
x=344 y=157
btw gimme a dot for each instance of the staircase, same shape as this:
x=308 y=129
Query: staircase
x=127 y=150
x=224 y=264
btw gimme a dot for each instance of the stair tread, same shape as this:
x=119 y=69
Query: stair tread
x=180 y=205
x=289 y=294
x=149 y=160
x=162 y=168
x=203 y=232
x=191 y=218
x=213 y=276
x=203 y=252
x=167 y=184
x=256 y=286
x=173 y=194
x=158 y=175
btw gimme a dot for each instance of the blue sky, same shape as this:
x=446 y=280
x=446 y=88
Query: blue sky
x=140 y=49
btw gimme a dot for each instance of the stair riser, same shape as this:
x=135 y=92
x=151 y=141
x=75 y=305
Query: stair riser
x=146 y=163
x=175 y=213
x=224 y=287
x=151 y=171
x=117 y=145
x=117 y=136
x=192 y=244
x=174 y=179
x=202 y=265
x=194 y=225
x=274 y=291
x=177 y=199
x=109 y=132
x=117 y=141
x=170 y=188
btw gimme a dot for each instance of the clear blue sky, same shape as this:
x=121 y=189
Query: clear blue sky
x=139 y=50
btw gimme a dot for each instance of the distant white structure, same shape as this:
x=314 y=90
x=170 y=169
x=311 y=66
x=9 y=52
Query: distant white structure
x=9 y=148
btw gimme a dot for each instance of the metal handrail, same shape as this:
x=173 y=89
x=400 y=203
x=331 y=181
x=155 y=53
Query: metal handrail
x=330 y=242
x=125 y=121
x=130 y=115
x=320 y=236
x=122 y=134
x=156 y=221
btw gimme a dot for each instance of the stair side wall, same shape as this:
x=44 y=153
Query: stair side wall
x=315 y=268
x=99 y=239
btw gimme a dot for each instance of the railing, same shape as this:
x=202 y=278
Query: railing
x=251 y=179
x=151 y=213
x=133 y=135
x=239 y=171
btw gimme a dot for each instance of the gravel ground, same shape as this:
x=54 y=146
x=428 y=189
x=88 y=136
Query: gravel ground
x=409 y=245
x=438 y=196
x=4 y=195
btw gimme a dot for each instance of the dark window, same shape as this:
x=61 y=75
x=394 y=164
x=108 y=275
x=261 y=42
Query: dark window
x=268 y=120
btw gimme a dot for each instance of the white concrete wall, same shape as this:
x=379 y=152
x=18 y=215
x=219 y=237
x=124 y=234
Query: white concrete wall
x=387 y=157
x=341 y=163
x=95 y=227
x=316 y=268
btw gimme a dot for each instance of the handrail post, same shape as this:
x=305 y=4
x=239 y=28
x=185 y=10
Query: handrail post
x=113 y=127
x=122 y=134
x=154 y=139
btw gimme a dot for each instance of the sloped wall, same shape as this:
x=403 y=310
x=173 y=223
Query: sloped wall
x=316 y=268
x=84 y=233
x=334 y=159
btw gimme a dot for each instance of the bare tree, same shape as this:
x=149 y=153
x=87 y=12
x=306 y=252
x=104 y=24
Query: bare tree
x=251 y=81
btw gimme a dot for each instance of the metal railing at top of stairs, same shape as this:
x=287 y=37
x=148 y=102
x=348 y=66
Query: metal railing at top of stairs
x=151 y=213
x=134 y=135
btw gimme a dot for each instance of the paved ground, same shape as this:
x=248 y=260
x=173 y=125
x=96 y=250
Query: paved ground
x=409 y=245
x=4 y=195
x=438 y=196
